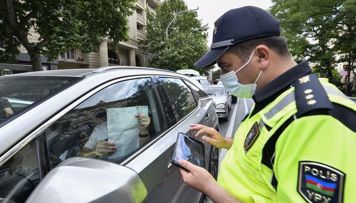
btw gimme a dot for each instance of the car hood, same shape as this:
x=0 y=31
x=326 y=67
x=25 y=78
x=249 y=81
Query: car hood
x=219 y=99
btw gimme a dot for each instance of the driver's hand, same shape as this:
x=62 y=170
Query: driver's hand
x=144 y=123
x=105 y=147
x=8 y=111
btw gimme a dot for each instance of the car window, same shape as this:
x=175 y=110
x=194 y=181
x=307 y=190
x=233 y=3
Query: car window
x=177 y=98
x=16 y=96
x=196 y=91
x=110 y=125
x=19 y=175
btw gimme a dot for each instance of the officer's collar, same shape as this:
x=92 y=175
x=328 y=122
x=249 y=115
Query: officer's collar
x=282 y=81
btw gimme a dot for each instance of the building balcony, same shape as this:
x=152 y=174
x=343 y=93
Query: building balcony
x=141 y=3
x=141 y=19
x=141 y=35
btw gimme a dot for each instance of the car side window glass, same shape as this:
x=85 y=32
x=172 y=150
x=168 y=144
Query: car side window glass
x=19 y=175
x=180 y=99
x=110 y=125
x=196 y=91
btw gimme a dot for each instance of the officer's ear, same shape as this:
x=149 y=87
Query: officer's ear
x=263 y=54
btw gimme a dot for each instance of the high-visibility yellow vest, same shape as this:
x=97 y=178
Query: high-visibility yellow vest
x=314 y=158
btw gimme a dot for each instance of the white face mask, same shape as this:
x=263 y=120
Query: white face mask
x=232 y=85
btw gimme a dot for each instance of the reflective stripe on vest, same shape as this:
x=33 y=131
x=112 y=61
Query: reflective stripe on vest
x=291 y=98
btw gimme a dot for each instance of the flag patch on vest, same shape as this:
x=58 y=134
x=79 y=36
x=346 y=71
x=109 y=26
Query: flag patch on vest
x=318 y=182
x=251 y=136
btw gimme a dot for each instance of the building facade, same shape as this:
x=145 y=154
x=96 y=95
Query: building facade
x=127 y=53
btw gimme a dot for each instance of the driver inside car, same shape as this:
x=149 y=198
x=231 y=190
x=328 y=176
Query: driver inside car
x=99 y=144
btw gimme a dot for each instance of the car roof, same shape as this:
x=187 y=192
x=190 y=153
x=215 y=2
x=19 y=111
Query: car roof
x=107 y=71
x=85 y=72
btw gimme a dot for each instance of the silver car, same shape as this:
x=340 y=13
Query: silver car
x=50 y=140
x=222 y=100
x=203 y=80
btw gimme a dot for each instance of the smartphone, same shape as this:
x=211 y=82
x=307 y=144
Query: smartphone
x=190 y=149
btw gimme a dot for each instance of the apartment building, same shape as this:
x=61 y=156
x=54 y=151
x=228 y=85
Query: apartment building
x=127 y=53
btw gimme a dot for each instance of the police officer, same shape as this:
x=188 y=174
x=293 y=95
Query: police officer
x=298 y=144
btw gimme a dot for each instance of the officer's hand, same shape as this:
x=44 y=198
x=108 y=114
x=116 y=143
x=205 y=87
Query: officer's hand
x=144 y=123
x=105 y=147
x=211 y=136
x=197 y=177
x=201 y=180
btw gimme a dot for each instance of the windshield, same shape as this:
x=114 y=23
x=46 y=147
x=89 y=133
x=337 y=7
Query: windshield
x=18 y=93
x=217 y=91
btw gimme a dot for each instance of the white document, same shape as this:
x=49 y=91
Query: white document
x=123 y=128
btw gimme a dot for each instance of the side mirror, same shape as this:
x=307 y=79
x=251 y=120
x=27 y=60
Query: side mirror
x=89 y=180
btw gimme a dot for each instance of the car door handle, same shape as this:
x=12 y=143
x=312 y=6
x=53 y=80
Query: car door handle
x=207 y=116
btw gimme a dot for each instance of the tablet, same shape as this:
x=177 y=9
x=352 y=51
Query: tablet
x=189 y=149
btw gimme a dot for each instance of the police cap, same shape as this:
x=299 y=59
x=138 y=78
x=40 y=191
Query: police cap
x=237 y=26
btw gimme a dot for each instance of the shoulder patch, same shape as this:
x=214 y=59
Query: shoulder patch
x=310 y=95
x=252 y=136
x=319 y=182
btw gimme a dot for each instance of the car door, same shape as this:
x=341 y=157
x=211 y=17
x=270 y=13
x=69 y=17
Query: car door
x=180 y=108
x=69 y=132
x=72 y=133
x=20 y=174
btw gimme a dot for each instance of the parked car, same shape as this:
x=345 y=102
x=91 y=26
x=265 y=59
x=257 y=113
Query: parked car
x=42 y=156
x=203 y=80
x=188 y=72
x=195 y=75
x=222 y=100
x=233 y=98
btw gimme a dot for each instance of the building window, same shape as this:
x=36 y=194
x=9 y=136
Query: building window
x=70 y=54
x=113 y=59
x=139 y=11
x=140 y=27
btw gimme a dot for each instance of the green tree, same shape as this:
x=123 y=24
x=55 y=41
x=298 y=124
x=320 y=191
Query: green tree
x=322 y=31
x=61 y=25
x=186 y=39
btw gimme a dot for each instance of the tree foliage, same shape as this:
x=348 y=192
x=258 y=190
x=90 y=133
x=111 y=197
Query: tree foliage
x=323 y=31
x=186 y=40
x=61 y=25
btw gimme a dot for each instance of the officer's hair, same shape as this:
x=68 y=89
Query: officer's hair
x=276 y=43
